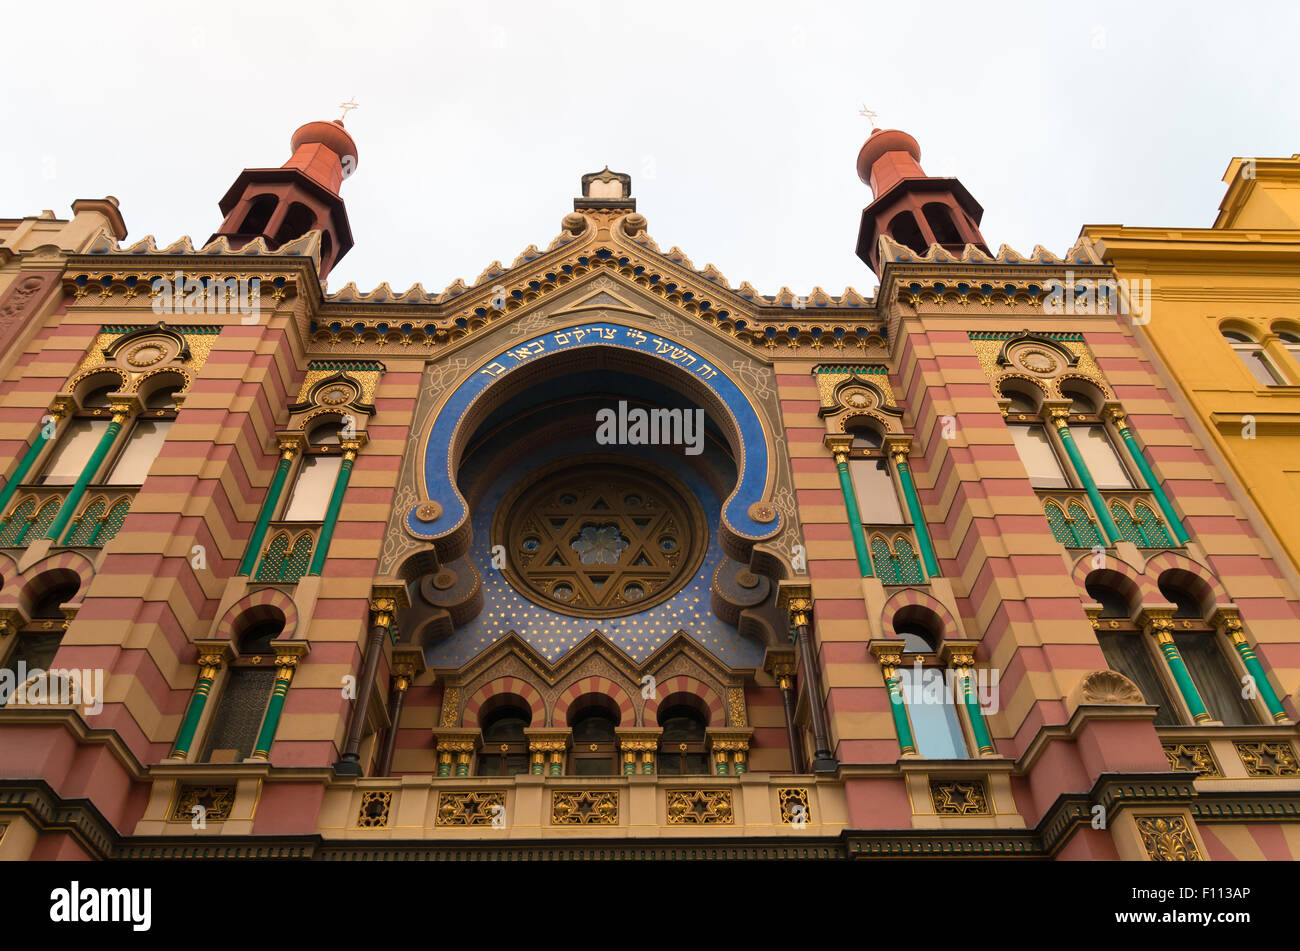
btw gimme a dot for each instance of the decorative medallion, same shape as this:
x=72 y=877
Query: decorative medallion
x=957 y=798
x=599 y=538
x=213 y=803
x=1168 y=839
x=763 y=512
x=856 y=397
x=429 y=512
x=146 y=354
x=373 y=813
x=795 y=810
x=588 y=807
x=1191 y=758
x=1268 y=759
x=470 y=808
x=337 y=395
x=700 y=807
x=1036 y=361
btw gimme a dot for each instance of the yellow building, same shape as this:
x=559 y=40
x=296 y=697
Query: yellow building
x=1222 y=315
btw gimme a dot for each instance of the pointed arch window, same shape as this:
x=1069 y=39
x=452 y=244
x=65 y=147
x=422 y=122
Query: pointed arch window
x=1072 y=525
x=1141 y=526
x=286 y=559
x=895 y=561
x=98 y=523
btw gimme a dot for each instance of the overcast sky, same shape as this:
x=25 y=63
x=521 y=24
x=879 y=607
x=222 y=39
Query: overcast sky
x=737 y=121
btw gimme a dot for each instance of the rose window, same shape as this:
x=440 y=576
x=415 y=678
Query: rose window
x=598 y=538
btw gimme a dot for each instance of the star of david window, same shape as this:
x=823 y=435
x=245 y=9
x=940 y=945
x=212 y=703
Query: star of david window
x=599 y=538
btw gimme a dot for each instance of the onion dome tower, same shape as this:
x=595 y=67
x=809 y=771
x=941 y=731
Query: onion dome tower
x=910 y=206
x=282 y=204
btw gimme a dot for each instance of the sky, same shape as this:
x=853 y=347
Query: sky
x=738 y=122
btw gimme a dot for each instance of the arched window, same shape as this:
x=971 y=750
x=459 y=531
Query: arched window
x=245 y=693
x=317 y=473
x=38 y=640
x=904 y=229
x=1033 y=444
x=595 y=747
x=505 y=747
x=682 y=749
x=1220 y=688
x=1081 y=403
x=98 y=523
x=297 y=222
x=147 y=438
x=939 y=217
x=1127 y=650
x=1251 y=353
x=917 y=638
x=1291 y=340
x=895 y=563
x=1113 y=603
x=80 y=437
x=932 y=710
x=259 y=215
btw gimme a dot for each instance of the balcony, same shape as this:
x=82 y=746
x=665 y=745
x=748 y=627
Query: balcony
x=1135 y=512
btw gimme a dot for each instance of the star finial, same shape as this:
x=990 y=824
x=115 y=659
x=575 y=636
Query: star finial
x=348 y=107
x=868 y=115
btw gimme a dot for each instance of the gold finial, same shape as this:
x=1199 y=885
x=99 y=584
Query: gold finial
x=868 y=115
x=348 y=107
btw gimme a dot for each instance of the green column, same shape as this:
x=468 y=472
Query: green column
x=1255 y=668
x=332 y=513
x=209 y=664
x=269 y=504
x=283 y=676
x=914 y=510
x=24 y=466
x=855 y=516
x=898 y=707
x=1081 y=469
x=1149 y=476
x=1178 y=668
x=983 y=741
x=120 y=415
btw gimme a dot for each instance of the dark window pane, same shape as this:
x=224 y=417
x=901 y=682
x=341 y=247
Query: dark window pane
x=36 y=652
x=1127 y=654
x=1214 y=679
x=601 y=766
x=239 y=714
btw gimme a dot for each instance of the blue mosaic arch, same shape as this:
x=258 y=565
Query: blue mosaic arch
x=449 y=512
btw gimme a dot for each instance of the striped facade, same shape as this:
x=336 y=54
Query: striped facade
x=361 y=682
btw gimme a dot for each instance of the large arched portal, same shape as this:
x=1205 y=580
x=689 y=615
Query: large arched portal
x=553 y=514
